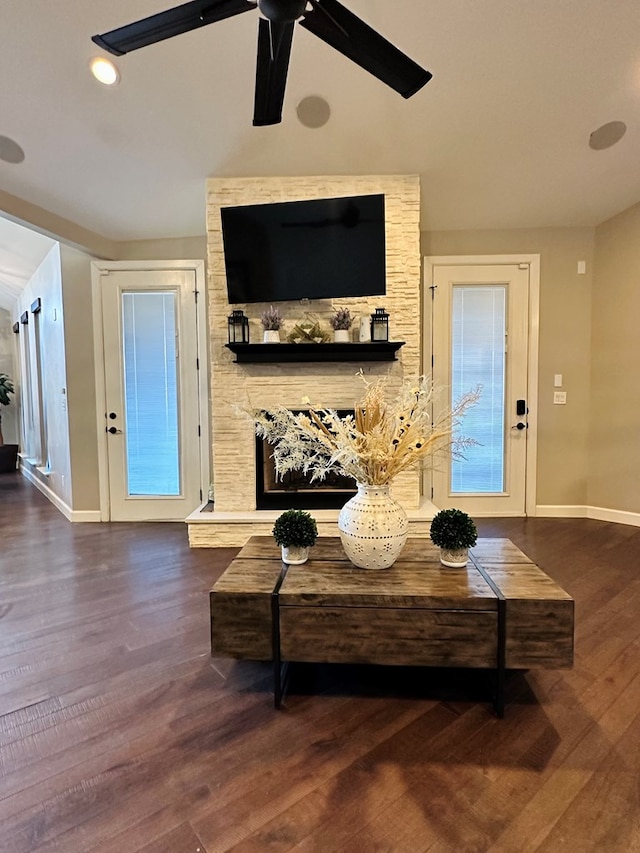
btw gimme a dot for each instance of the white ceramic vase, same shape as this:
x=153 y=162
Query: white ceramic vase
x=341 y=336
x=373 y=528
x=294 y=555
x=271 y=336
x=454 y=559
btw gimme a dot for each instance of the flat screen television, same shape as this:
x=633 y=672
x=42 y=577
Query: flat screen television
x=316 y=249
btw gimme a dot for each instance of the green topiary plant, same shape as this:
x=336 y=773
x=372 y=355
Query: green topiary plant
x=295 y=528
x=453 y=530
x=6 y=388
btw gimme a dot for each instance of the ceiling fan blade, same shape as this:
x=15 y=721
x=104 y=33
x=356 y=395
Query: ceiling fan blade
x=172 y=22
x=274 y=50
x=348 y=34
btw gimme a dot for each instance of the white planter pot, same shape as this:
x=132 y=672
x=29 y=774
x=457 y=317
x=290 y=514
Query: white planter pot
x=271 y=336
x=341 y=336
x=456 y=559
x=294 y=555
x=373 y=528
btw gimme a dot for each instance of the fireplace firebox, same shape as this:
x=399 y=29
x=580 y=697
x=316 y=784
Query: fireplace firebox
x=295 y=490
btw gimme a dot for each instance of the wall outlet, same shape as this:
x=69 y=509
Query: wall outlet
x=559 y=398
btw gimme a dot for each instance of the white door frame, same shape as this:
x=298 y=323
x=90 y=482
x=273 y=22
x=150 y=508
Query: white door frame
x=532 y=356
x=97 y=269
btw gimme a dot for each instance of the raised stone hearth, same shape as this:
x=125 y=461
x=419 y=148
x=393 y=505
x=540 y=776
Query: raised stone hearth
x=327 y=384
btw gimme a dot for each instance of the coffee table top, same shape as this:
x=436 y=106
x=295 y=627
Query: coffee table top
x=497 y=569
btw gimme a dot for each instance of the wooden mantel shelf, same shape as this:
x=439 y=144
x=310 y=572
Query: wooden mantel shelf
x=285 y=352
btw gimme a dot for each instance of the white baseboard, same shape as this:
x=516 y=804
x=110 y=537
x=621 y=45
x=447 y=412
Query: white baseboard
x=65 y=509
x=598 y=513
x=617 y=515
x=561 y=511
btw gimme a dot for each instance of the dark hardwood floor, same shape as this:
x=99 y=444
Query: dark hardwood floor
x=120 y=734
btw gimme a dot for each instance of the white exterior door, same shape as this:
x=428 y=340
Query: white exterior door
x=151 y=384
x=480 y=334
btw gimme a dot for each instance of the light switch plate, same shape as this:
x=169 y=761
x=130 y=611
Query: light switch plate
x=557 y=380
x=559 y=398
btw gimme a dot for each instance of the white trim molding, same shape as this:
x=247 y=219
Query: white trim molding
x=598 y=513
x=65 y=509
x=552 y=511
x=618 y=516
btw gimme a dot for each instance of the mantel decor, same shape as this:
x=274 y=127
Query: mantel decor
x=387 y=434
x=238 y=327
x=380 y=325
x=292 y=353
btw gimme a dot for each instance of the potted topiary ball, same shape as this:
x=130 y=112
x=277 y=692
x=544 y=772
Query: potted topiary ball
x=340 y=321
x=454 y=532
x=295 y=531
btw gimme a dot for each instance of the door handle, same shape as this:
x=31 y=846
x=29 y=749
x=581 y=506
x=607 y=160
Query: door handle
x=519 y=425
x=113 y=430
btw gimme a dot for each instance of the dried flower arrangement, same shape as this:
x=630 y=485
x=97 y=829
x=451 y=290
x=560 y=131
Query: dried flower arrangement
x=380 y=440
x=341 y=319
x=271 y=319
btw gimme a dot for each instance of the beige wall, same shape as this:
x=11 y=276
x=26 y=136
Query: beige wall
x=565 y=329
x=587 y=329
x=46 y=285
x=614 y=460
x=81 y=393
x=171 y=249
x=63 y=283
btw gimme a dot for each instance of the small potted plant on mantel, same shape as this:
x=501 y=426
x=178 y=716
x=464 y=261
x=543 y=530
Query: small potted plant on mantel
x=340 y=321
x=271 y=320
x=8 y=452
x=454 y=532
x=295 y=531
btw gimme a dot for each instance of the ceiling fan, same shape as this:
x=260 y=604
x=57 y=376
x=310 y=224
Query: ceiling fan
x=329 y=20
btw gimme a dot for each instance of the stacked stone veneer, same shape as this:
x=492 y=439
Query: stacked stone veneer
x=327 y=384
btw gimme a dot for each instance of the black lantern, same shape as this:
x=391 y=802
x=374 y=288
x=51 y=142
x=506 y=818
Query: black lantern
x=238 y=326
x=380 y=325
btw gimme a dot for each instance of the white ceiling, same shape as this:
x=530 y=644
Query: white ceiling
x=21 y=253
x=499 y=136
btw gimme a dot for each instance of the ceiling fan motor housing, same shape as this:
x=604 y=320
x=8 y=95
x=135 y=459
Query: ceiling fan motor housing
x=282 y=10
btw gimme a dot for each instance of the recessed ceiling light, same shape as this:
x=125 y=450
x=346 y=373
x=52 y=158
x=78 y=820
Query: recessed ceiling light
x=10 y=151
x=105 y=71
x=313 y=111
x=607 y=135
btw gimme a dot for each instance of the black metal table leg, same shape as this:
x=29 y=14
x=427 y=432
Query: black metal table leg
x=278 y=682
x=501 y=639
x=498 y=703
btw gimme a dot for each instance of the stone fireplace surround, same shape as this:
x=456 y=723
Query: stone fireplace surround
x=327 y=384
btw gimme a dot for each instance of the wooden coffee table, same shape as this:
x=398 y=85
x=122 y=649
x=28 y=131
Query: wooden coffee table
x=500 y=612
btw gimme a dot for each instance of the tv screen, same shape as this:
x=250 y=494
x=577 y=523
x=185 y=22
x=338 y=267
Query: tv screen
x=317 y=249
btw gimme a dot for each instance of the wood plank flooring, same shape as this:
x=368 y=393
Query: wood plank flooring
x=120 y=734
